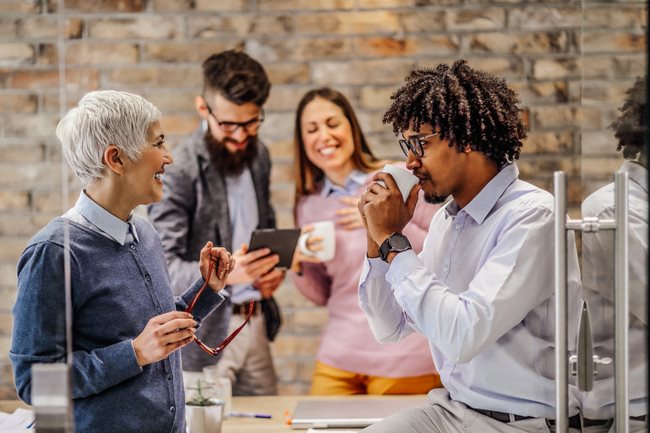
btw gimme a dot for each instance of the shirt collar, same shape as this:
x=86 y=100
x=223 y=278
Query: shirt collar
x=104 y=220
x=482 y=204
x=637 y=173
x=352 y=183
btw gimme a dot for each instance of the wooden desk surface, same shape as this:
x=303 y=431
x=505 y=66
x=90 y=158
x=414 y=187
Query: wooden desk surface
x=276 y=406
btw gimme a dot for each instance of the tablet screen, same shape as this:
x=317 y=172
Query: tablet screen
x=279 y=241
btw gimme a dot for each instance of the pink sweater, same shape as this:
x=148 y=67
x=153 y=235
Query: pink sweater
x=347 y=342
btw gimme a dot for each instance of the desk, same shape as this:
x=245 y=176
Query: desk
x=273 y=405
x=276 y=406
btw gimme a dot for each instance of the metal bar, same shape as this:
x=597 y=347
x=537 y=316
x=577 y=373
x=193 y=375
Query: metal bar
x=561 y=346
x=621 y=302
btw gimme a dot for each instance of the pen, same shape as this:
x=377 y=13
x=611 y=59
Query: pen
x=31 y=424
x=250 y=415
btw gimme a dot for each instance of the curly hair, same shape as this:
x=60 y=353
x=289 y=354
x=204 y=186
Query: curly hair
x=629 y=128
x=468 y=107
x=237 y=76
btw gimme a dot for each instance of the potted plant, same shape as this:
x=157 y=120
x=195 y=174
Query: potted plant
x=204 y=413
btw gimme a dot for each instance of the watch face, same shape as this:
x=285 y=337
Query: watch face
x=399 y=243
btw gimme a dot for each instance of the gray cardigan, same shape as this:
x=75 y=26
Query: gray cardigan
x=194 y=210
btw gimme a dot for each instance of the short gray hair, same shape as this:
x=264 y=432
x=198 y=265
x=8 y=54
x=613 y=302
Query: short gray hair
x=100 y=119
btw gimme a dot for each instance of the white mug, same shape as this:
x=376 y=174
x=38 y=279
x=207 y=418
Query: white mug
x=404 y=179
x=325 y=230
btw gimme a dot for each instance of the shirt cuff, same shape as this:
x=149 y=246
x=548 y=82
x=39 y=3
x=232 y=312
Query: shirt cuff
x=400 y=266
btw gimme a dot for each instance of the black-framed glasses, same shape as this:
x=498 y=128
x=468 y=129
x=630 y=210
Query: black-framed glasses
x=415 y=144
x=251 y=126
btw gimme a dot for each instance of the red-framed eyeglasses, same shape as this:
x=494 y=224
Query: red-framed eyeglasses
x=217 y=350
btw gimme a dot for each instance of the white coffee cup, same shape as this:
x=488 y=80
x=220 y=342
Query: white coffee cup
x=404 y=179
x=325 y=230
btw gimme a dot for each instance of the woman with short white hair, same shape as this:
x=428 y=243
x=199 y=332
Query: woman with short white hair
x=127 y=327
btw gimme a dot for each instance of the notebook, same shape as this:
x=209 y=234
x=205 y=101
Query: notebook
x=349 y=413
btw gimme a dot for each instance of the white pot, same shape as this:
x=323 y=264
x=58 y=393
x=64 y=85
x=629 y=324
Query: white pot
x=204 y=419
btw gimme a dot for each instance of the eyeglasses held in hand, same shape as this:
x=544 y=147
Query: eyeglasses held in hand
x=415 y=143
x=251 y=126
x=217 y=350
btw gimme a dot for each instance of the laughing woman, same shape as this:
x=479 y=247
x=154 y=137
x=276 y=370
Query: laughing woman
x=126 y=325
x=333 y=166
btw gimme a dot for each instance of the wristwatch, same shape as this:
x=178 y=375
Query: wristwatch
x=395 y=242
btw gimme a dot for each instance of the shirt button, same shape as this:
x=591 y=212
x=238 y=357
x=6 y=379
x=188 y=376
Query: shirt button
x=170 y=377
x=132 y=247
x=158 y=310
x=457 y=226
x=172 y=409
x=147 y=278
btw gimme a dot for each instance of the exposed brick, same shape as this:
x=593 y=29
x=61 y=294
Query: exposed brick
x=616 y=42
x=555 y=116
x=384 y=46
x=21 y=153
x=172 y=101
x=287 y=369
x=51 y=201
x=544 y=92
x=14 y=200
x=17 y=103
x=96 y=6
x=351 y=23
x=6 y=320
x=533 y=166
x=479 y=19
x=30 y=175
x=597 y=166
x=375 y=97
x=566 y=67
x=599 y=143
x=283 y=194
x=16 y=53
x=42 y=27
x=529 y=43
x=47 y=54
x=183 y=124
x=294 y=5
x=281 y=172
x=285 y=97
x=173 y=5
x=280 y=150
x=282 y=50
x=176 y=52
x=76 y=79
x=162 y=76
x=314 y=318
x=620 y=17
x=29 y=125
x=22 y=225
x=22 y=6
x=359 y=72
x=375 y=4
x=288 y=73
x=99 y=54
x=162 y=27
x=423 y=21
x=221 y=5
x=545 y=18
x=294 y=345
x=12 y=247
x=548 y=142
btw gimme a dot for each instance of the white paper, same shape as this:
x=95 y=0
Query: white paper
x=16 y=422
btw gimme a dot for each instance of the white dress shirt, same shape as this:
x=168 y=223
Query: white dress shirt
x=598 y=280
x=482 y=292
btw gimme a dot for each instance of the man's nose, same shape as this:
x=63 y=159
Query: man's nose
x=412 y=161
x=239 y=134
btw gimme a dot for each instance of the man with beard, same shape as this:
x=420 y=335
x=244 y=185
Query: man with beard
x=219 y=190
x=482 y=288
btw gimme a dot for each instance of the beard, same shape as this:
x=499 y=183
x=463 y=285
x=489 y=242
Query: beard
x=226 y=162
x=435 y=199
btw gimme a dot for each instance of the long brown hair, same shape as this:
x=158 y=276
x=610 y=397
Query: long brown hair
x=309 y=178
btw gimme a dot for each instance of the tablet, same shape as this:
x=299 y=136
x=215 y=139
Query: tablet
x=280 y=241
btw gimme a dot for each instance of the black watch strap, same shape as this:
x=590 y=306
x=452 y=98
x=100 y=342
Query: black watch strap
x=396 y=242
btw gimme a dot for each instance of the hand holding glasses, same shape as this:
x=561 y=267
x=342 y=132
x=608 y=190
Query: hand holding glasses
x=221 y=275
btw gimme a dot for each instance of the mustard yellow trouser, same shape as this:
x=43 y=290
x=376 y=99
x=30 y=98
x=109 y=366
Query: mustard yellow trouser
x=328 y=380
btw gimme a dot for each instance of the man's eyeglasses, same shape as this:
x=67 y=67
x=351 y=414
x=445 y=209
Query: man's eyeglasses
x=415 y=144
x=251 y=126
x=217 y=350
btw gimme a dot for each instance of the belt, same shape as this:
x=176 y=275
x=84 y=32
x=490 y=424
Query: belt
x=243 y=308
x=574 y=421
x=587 y=422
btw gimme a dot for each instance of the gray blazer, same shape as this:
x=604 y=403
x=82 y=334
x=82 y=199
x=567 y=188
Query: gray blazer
x=194 y=210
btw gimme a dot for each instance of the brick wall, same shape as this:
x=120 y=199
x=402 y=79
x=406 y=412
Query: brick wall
x=569 y=60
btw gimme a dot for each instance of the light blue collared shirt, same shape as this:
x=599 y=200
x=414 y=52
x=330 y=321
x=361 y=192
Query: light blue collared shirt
x=482 y=292
x=352 y=184
x=91 y=215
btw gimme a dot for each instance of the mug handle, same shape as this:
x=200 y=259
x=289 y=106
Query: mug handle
x=302 y=244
